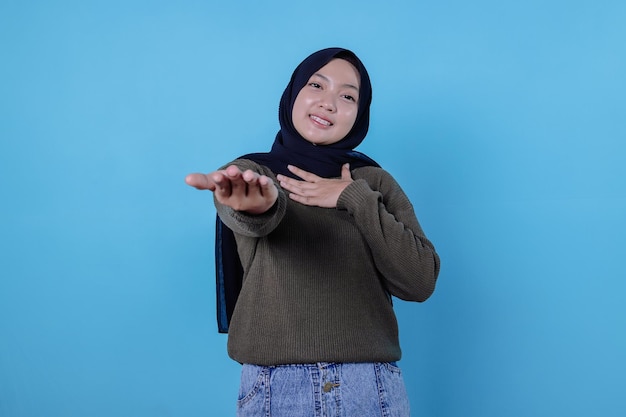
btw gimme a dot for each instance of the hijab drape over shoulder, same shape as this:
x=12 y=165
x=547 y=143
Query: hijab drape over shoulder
x=291 y=148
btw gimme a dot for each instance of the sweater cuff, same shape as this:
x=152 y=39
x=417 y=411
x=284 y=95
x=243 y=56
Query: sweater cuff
x=256 y=220
x=253 y=224
x=354 y=195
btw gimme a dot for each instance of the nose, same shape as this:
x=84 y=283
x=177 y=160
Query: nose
x=327 y=103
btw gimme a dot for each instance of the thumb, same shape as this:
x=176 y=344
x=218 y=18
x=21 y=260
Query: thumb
x=200 y=181
x=345 y=172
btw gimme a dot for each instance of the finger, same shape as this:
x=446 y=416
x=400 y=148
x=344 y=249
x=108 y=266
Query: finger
x=300 y=199
x=250 y=177
x=236 y=181
x=223 y=184
x=305 y=175
x=284 y=180
x=268 y=188
x=291 y=184
x=200 y=181
x=220 y=179
x=345 y=172
x=233 y=171
x=250 y=183
x=265 y=181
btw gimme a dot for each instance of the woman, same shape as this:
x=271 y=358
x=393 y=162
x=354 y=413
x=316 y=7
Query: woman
x=325 y=237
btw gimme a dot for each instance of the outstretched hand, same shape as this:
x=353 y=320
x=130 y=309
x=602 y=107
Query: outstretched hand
x=241 y=190
x=314 y=190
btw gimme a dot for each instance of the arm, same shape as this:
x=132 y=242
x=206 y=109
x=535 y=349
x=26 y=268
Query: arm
x=404 y=256
x=246 y=197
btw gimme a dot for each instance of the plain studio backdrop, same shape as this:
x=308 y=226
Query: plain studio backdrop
x=504 y=121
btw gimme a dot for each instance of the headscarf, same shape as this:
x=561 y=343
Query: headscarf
x=291 y=148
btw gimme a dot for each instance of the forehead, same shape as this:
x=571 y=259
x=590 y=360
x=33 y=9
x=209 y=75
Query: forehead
x=341 y=71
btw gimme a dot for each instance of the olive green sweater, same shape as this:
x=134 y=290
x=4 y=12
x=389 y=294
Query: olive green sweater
x=317 y=281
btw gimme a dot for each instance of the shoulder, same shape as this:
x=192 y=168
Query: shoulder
x=378 y=179
x=370 y=172
x=375 y=176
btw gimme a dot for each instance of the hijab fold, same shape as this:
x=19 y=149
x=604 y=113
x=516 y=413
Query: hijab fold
x=291 y=148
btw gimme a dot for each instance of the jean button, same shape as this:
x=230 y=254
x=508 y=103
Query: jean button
x=329 y=386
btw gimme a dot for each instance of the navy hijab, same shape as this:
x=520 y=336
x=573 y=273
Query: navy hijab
x=291 y=148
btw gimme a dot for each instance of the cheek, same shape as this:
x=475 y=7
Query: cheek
x=297 y=109
x=300 y=104
x=298 y=114
x=350 y=118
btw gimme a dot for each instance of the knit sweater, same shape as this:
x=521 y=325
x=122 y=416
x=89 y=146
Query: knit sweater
x=318 y=281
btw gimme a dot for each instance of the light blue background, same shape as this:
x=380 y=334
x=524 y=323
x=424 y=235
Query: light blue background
x=503 y=120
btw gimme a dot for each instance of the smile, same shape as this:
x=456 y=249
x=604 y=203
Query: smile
x=319 y=120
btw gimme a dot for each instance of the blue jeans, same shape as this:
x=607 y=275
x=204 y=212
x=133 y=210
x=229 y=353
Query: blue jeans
x=323 y=390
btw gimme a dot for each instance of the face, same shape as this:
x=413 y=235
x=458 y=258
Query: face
x=326 y=108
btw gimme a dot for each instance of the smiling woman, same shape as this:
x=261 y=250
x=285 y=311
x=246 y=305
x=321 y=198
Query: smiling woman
x=326 y=108
x=313 y=240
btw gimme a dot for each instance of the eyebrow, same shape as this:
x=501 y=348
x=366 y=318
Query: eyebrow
x=317 y=74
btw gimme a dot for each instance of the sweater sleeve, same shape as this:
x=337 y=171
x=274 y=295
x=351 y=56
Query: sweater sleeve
x=253 y=225
x=405 y=258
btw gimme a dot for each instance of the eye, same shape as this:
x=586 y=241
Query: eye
x=315 y=85
x=349 y=97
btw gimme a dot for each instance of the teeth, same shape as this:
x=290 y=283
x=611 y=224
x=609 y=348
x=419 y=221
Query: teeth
x=320 y=120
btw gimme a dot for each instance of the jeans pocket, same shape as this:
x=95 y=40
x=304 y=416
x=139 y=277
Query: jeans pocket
x=394 y=400
x=252 y=381
x=392 y=367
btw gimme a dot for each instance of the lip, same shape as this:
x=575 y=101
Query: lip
x=320 y=121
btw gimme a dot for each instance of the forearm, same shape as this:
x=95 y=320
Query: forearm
x=248 y=223
x=403 y=255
